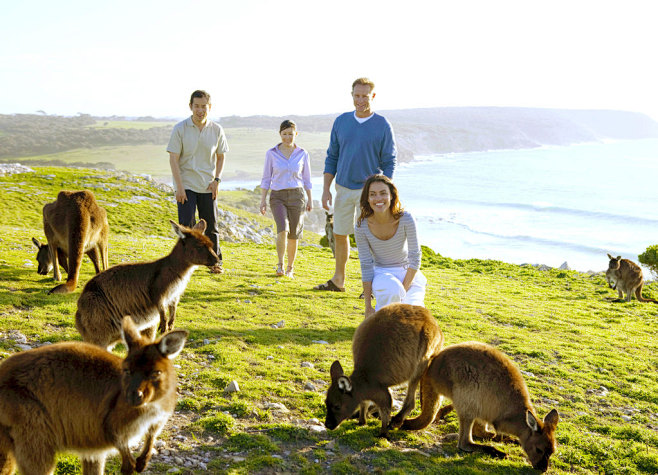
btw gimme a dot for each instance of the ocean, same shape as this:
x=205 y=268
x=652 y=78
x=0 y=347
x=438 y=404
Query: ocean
x=547 y=205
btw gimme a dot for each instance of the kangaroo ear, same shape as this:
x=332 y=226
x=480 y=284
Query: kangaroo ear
x=172 y=343
x=129 y=332
x=551 y=420
x=177 y=229
x=531 y=421
x=618 y=258
x=201 y=226
x=36 y=243
x=336 y=370
x=610 y=257
x=344 y=384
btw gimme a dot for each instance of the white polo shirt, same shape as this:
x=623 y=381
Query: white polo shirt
x=197 y=149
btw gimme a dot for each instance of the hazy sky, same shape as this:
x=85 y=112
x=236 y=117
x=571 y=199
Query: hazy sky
x=272 y=57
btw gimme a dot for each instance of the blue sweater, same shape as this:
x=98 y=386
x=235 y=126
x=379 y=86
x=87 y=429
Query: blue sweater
x=357 y=151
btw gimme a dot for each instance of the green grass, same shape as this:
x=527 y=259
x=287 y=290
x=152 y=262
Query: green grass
x=130 y=124
x=244 y=161
x=563 y=327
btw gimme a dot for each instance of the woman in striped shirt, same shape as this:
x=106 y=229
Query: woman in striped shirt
x=389 y=251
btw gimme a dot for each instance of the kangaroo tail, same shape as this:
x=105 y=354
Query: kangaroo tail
x=430 y=401
x=638 y=294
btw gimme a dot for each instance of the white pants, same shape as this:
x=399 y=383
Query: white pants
x=387 y=287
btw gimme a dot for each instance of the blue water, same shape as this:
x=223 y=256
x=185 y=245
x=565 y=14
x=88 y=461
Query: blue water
x=539 y=206
x=546 y=205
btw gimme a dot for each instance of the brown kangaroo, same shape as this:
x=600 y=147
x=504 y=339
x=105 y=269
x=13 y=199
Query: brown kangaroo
x=625 y=276
x=389 y=348
x=74 y=224
x=79 y=398
x=486 y=386
x=142 y=290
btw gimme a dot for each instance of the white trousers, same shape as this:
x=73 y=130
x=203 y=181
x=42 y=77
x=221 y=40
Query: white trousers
x=387 y=287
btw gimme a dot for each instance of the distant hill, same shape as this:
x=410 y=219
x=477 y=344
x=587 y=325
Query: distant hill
x=418 y=131
x=470 y=129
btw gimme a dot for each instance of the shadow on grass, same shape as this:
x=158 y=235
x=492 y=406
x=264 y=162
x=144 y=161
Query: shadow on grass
x=278 y=336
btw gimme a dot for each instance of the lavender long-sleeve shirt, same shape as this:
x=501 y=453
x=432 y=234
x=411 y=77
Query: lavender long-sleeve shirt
x=280 y=173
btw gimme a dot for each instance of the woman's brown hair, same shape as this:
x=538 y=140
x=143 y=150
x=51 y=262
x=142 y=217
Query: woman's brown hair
x=367 y=211
x=287 y=124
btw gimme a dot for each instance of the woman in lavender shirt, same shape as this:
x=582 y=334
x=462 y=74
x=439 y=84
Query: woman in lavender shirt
x=389 y=251
x=287 y=173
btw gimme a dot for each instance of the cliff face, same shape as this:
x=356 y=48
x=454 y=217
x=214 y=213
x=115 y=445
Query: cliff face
x=475 y=129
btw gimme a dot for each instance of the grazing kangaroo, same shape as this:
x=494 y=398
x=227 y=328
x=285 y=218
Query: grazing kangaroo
x=142 y=290
x=485 y=386
x=625 y=276
x=77 y=397
x=391 y=347
x=74 y=225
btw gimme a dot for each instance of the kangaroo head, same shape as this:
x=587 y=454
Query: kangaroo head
x=148 y=373
x=340 y=400
x=45 y=263
x=540 y=444
x=197 y=247
x=614 y=263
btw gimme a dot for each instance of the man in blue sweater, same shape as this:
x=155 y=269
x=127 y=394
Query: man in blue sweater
x=361 y=145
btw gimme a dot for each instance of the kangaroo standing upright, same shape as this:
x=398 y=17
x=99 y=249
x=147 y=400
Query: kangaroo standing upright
x=485 y=385
x=78 y=397
x=142 y=290
x=329 y=231
x=74 y=224
x=391 y=347
x=626 y=277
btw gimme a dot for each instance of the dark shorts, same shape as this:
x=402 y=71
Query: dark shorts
x=288 y=210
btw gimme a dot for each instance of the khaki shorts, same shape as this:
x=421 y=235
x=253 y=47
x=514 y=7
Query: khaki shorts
x=347 y=208
x=288 y=211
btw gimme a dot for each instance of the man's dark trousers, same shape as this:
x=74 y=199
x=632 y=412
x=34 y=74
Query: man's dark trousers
x=207 y=210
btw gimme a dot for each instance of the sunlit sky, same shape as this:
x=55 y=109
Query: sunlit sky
x=140 y=58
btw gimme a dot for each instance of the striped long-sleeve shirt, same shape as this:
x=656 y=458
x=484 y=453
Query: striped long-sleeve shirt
x=401 y=250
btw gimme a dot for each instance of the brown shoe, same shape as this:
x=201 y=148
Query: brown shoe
x=216 y=269
x=329 y=286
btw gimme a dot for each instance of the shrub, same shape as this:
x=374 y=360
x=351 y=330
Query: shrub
x=650 y=259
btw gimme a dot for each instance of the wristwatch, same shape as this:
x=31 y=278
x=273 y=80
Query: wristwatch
x=218 y=180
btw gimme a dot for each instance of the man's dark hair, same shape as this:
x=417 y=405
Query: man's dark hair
x=200 y=94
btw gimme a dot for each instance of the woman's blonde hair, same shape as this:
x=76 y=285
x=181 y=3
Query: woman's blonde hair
x=367 y=211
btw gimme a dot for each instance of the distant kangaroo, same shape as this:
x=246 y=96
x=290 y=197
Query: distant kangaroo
x=391 y=347
x=74 y=224
x=142 y=290
x=625 y=276
x=486 y=386
x=329 y=231
x=77 y=397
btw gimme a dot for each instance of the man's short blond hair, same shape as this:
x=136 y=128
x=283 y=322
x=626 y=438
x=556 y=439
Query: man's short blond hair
x=363 y=82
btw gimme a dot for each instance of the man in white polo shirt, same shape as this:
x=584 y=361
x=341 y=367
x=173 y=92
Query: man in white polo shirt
x=196 y=155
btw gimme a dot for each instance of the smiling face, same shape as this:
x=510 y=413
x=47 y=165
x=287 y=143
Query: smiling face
x=200 y=107
x=379 y=197
x=362 y=96
x=288 y=136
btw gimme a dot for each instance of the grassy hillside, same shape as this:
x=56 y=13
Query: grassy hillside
x=591 y=358
x=243 y=162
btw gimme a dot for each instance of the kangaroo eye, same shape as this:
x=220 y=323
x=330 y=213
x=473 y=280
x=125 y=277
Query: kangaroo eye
x=156 y=375
x=126 y=372
x=539 y=451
